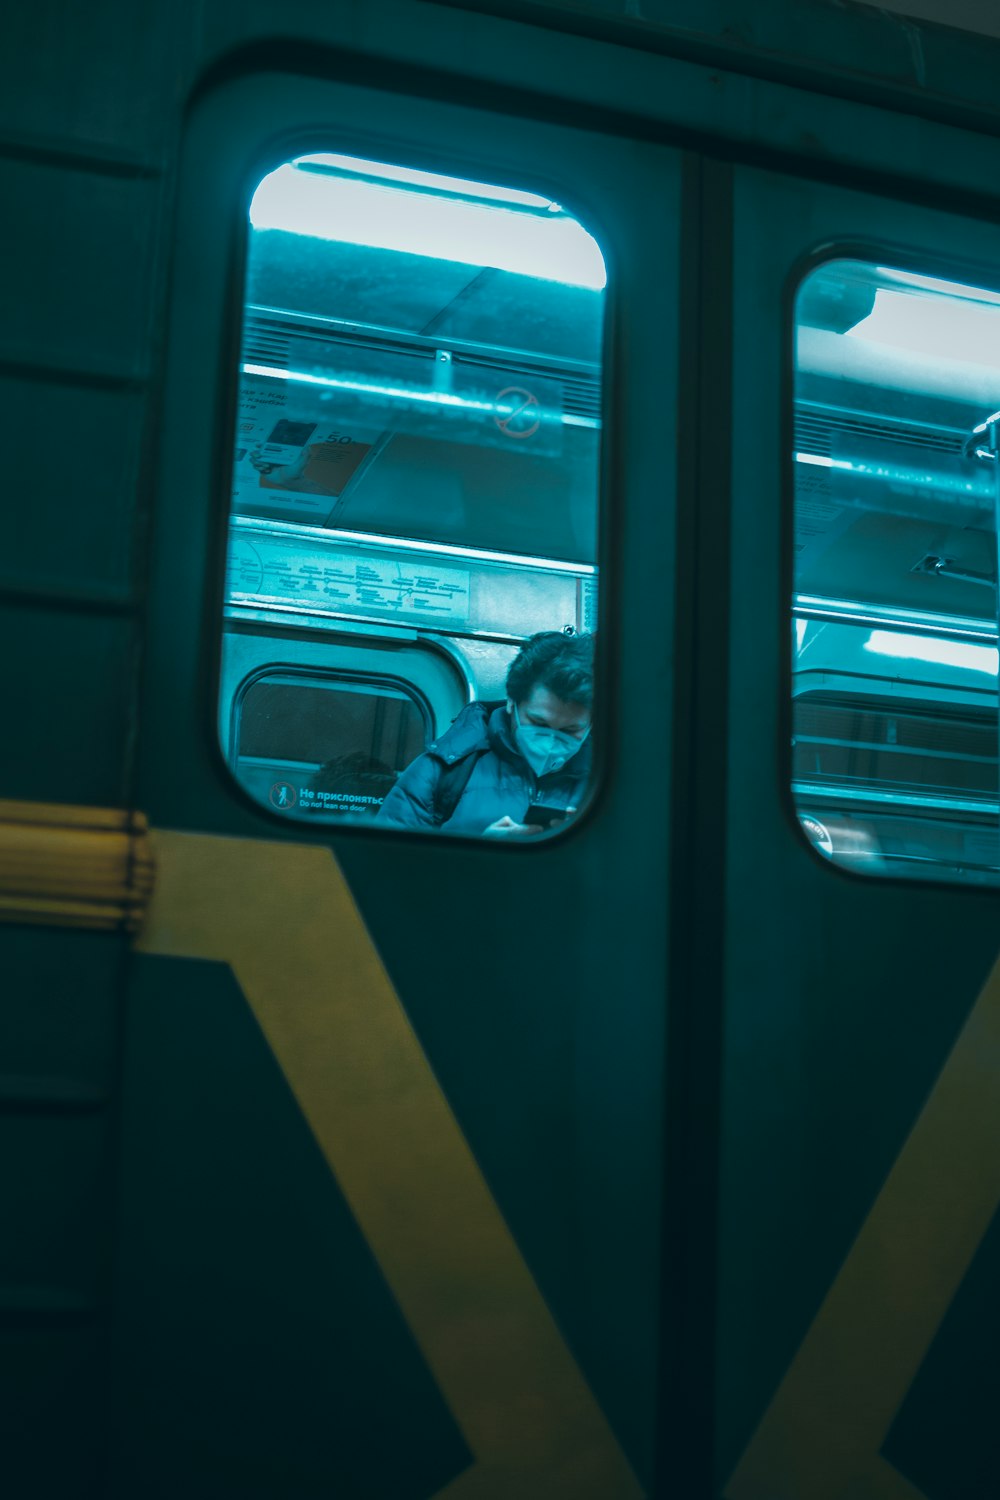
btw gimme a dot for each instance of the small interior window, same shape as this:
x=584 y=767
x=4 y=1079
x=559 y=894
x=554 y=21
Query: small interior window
x=416 y=460
x=894 y=644
x=316 y=745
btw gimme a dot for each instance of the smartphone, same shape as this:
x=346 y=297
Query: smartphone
x=543 y=816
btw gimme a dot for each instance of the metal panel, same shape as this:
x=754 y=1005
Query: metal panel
x=68 y=690
x=75 y=291
x=71 y=474
x=54 y=1182
x=109 y=80
x=53 y=1378
x=60 y=1015
x=839 y=1012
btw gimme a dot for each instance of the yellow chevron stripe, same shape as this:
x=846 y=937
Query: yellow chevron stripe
x=820 y=1438
x=283 y=917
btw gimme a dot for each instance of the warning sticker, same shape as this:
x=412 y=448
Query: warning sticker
x=819 y=519
x=286 y=464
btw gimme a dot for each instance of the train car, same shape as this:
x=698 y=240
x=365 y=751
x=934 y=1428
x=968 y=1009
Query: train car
x=500 y=866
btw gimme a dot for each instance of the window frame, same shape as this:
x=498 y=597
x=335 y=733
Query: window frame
x=318 y=673
x=281 y=148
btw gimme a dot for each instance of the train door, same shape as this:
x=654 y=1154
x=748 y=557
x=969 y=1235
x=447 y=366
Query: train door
x=858 y=1183
x=392 y=1125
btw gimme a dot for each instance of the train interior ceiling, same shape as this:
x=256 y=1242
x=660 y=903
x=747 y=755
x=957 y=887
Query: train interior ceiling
x=415 y=491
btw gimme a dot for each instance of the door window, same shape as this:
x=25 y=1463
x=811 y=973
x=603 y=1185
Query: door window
x=417 y=433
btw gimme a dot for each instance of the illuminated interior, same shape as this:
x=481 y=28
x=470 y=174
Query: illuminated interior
x=895 y=660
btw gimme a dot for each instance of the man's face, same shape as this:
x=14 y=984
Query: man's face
x=546 y=711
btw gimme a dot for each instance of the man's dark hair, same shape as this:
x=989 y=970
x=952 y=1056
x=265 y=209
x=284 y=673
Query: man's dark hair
x=562 y=663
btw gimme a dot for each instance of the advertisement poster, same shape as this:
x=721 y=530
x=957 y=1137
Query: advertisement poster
x=286 y=465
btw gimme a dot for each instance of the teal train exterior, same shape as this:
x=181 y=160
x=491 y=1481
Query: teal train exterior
x=654 y=1157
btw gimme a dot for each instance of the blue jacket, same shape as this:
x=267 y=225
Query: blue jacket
x=501 y=783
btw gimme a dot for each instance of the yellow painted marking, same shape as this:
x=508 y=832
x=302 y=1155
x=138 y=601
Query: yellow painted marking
x=820 y=1438
x=282 y=916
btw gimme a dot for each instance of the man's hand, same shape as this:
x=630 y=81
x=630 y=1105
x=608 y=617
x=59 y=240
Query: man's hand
x=506 y=828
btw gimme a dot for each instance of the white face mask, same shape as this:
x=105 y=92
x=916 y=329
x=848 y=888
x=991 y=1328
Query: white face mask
x=544 y=749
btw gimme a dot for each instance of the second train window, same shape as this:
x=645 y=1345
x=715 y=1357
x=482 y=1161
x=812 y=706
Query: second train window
x=894 y=709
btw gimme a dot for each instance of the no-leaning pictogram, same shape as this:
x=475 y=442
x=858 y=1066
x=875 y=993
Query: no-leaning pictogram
x=282 y=794
x=521 y=412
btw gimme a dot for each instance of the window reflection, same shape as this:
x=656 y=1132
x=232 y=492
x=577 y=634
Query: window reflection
x=326 y=747
x=894 y=652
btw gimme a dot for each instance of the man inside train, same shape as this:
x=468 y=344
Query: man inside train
x=511 y=769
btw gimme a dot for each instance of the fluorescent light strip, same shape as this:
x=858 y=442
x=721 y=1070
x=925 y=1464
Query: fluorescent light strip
x=935 y=326
x=385 y=215
x=853 y=612
x=394 y=392
x=354 y=166
x=931 y=649
x=932 y=284
x=811 y=792
x=400 y=393
x=822 y=462
x=287 y=529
